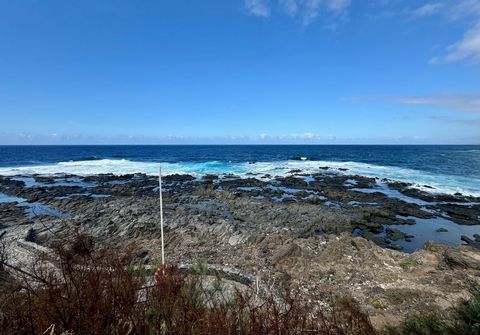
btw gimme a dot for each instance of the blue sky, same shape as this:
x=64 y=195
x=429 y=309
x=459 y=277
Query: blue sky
x=239 y=71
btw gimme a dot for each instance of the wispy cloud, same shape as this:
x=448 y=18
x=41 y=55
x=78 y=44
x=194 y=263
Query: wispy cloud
x=458 y=102
x=338 y=5
x=426 y=10
x=466 y=49
x=313 y=138
x=463 y=9
x=296 y=137
x=306 y=11
x=469 y=103
x=36 y=138
x=450 y=9
x=309 y=10
x=258 y=8
x=466 y=122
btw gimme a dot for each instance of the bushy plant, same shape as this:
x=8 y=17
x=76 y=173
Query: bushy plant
x=463 y=319
x=83 y=289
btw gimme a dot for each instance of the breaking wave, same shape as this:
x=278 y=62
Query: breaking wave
x=441 y=183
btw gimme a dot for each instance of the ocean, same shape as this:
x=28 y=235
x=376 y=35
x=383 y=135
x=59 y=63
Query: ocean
x=447 y=168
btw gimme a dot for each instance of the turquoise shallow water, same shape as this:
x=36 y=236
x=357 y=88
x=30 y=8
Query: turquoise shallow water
x=449 y=169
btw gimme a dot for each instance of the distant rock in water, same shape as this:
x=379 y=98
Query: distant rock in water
x=88 y=158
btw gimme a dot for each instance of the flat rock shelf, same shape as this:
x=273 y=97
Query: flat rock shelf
x=375 y=239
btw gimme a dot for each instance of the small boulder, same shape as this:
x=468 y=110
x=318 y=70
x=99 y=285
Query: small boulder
x=395 y=234
x=286 y=251
x=465 y=258
x=31 y=235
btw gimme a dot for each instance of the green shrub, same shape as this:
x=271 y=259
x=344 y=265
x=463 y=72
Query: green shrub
x=463 y=319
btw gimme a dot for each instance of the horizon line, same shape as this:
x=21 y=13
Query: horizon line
x=245 y=144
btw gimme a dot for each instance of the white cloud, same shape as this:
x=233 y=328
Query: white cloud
x=258 y=7
x=301 y=138
x=427 y=9
x=306 y=11
x=309 y=10
x=452 y=101
x=464 y=8
x=467 y=48
x=338 y=5
x=307 y=137
x=466 y=122
x=290 y=6
x=457 y=102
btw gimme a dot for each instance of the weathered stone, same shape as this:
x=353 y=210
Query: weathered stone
x=465 y=258
x=287 y=251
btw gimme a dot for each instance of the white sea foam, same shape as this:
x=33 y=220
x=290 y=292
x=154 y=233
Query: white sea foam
x=441 y=183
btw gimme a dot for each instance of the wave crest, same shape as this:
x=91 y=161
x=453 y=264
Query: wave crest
x=442 y=183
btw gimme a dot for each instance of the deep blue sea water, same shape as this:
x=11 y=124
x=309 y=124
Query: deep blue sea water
x=449 y=169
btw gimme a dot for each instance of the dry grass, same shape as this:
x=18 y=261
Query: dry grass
x=98 y=291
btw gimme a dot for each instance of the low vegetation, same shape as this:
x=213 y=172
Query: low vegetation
x=83 y=289
x=80 y=289
x=463 y=319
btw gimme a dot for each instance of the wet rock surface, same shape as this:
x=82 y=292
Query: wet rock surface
x=304 y=205
x=321 y=232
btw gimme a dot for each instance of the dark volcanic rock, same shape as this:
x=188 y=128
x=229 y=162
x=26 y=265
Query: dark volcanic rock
x=462 y=214
x=295 y=171
x=247 y=182
x=397 y=185
x=395 y=246
x=382 y=241
x=44 y=180
x=280 y=230
x=395 y=234
x=241 y=208
x=473 y=243
x=31 y=235
x=210 y=177
x=178 y=178
x=11 y=186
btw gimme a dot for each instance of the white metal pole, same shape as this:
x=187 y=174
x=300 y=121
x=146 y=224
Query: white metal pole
x=161 y=213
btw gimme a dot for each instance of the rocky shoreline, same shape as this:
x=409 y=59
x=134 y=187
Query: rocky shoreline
x=324 y=233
